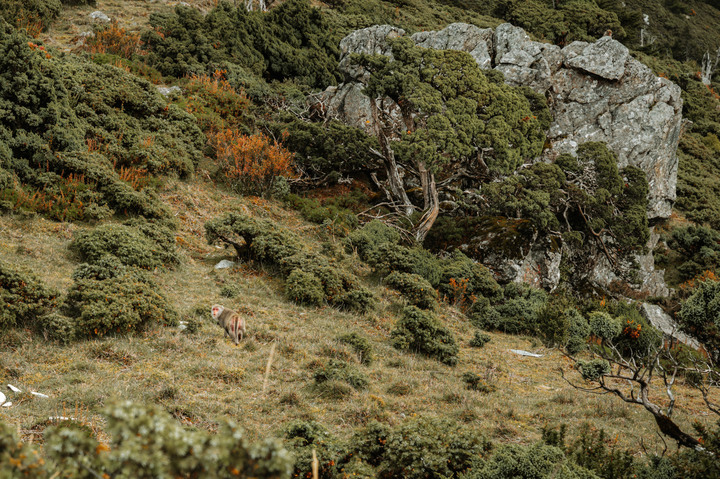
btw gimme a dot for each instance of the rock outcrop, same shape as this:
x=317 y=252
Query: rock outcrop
x=595 y=91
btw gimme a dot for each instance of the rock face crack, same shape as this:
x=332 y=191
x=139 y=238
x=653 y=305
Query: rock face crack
x=596 y=92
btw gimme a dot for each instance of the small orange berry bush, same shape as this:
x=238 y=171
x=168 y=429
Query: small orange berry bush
x=251 y=164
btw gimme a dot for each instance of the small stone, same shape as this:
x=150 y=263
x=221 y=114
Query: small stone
x=525 y=353
x=7 y=404
x=99 y=16
x=224 y=264
x=14 y=389
x=40 y=395
x=167 y=91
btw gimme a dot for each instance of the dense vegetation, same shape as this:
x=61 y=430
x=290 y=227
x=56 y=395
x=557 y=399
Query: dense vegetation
x=85 y=137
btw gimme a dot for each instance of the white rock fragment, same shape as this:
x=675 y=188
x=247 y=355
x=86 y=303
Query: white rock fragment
x=99 y=16
x=14 y=389
x=167 y=91
x=7 y=404
x=525 y=353
x=224 y=264
x=183 y=325
x=39 y=394
x=2 y=398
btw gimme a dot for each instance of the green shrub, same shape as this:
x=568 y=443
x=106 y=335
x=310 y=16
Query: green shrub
x=414 y=288
x=311 y=277
x=19 y=459
x=86 y=139
x=147 y=442
x=518 y=314
x=420 y=448
x=593 y=369
x=33 y=16
x=111 y=298
x=420 y=331
x=471 y=280
x=480 y=339
x=699 y=315
x=304 y=288
x=229 y=291
x=337 y=370
x=58 y=327
x=698 y=248
x=23 y=298
x=414 y=260
x=368 y=239
x=144 y=245
x=304 y=437
x=291 y=41
x=530 y=462
x=475 y=382
x=358 y=299
x=604 y=326
x=578 y=331
x=360 y=344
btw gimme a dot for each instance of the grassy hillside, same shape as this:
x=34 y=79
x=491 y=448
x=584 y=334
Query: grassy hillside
x=117 y=203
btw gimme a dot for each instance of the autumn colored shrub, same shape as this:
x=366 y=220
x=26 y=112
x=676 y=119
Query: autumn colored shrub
x=83 y=139
x=114 y=39
x=250 y=163
x=215 y=102
x=463 y=280
x=415 y=289
x=24 y=299
x=420 y=331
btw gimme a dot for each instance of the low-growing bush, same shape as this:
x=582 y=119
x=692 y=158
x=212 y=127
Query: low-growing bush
x=415 y=289
x=530 y=462
x=420 y=448
x=480 y=339
x=517 y=314
x=23 y=298
x=360 y=344
x=420 y=331
x=604 y=326
x=304 y=437
x=593 y=369
x=338 y=370
x=304 y=288
x=463 y=279
x=143 y=245
x=111 y=298
x=475 y=382
x=311 y=277
x=368 y=239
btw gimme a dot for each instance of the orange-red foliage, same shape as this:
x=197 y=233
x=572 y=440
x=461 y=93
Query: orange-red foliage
x=214 y=102
x=251 y=162
x=115 y=40
x=693 y=283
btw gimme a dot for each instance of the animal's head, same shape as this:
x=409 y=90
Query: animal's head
x=216 y=311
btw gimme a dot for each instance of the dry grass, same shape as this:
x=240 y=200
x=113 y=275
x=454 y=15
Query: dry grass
x=131 y=15
x=202 y=378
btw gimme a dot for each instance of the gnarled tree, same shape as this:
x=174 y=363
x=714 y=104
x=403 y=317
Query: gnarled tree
x=455 y=123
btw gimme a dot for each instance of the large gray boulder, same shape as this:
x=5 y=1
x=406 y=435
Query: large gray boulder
x=596 y=92
x=460 y=36
x=665 y=323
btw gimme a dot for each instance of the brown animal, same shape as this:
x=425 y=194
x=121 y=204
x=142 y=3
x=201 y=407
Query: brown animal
x=230 y=321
